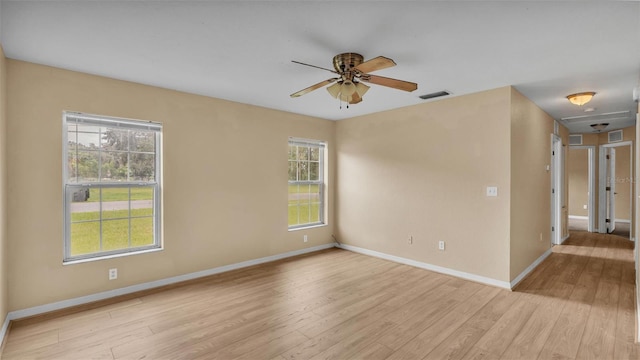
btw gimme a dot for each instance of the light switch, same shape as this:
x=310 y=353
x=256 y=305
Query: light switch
x=492 y=191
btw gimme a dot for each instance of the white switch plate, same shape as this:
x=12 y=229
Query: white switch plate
x=113 y=274
x=584 y=207
x=492 y=191
x=440 y=245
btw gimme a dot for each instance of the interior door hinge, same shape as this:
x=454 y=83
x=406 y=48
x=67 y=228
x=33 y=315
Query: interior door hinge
x=607 y=220
x=608 y=157
x=553 y=228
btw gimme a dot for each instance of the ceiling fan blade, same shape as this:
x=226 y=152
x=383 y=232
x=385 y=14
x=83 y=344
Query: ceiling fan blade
x=317 y=67
x=377 y=63
x=389 y=82
x=313 y=87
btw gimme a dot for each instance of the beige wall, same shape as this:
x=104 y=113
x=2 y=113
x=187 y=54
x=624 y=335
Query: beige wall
x=4 y=257
x=423 y=171
x=225 y=182
x=418 y=171
x=530 y=137
x=578 y=174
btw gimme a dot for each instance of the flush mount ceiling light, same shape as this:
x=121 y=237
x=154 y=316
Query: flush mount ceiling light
x=581 y=98
x=600 y=126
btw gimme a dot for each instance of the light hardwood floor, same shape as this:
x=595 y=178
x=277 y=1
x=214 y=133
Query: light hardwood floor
x=334 y=304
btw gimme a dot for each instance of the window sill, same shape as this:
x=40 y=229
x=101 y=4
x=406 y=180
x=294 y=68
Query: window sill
x=307 y=227
x=98 y=258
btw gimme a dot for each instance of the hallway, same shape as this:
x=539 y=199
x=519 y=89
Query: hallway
x=588 y=285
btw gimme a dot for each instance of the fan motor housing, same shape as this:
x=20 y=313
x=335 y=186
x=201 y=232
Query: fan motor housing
x=347 y=61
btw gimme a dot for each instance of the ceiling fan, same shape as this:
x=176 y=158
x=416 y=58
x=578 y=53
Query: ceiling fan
x=352 y=71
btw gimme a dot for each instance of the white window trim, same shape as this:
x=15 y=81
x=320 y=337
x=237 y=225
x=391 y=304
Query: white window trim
x=321 y=182
x=90 y=119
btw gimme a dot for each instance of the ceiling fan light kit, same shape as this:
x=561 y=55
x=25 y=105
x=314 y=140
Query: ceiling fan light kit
x=352 y=71
x=581 y=98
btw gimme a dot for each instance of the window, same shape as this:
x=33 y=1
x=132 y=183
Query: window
x=111 y=186
x=306 y=183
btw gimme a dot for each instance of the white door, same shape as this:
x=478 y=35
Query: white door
x=611 y=190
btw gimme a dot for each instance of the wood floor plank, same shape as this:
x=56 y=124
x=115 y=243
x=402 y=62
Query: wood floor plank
x=425 y=341
x=335 y=304
x=456 y=345
x=499 y=336
x=328 y=338
x=426 y=314
x=626 y=313
x=530 y=340
x=598 y=340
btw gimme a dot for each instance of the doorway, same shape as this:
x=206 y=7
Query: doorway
x=616 y=189
x=581 y=170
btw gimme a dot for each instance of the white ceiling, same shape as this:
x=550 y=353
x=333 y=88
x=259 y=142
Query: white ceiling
x=242 y=51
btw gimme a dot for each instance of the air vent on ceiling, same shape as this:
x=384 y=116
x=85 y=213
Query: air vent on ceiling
x=615 y=136
x=575 y=139
x=434 y=95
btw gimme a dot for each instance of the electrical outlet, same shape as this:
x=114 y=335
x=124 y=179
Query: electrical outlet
x=305 y=238
x=410 y=240
x=584 y=207
x=113 y=274
x=441 y=245
x=540 y=237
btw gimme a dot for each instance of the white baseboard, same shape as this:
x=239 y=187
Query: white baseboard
x=624 y=221
x=430 y=267
x=530 y=268
x=36 y=310
x=564 y=239
x=3 y=330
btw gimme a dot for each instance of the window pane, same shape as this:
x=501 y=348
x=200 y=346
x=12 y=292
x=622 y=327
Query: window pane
x=82 y=208
x=314 y=171
x=115 y=234
x=88 y=137
x=143 y=141
x=142 y=231
x=85 y=238
x=142 y=167
x=141 y=201
x=114 y=139
x=315 y=154
x=115 y=203
x=303 y=171
x=304 y=204
x=303 y=153
x=87 y=165
x=114 y=166
x=72 y=166
x=293 y=170
x=293 y=151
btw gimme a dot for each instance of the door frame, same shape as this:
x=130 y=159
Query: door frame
x=602 y=185
x=591 y=185
x=557 y=189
